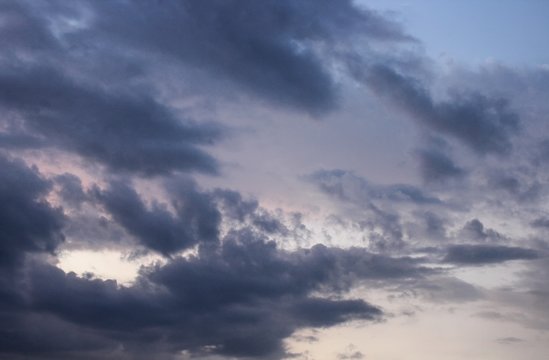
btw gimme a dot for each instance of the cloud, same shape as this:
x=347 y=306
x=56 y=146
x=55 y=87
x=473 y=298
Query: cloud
x=350 y=187
x=28 y=222
x=196 y=219
x=487 y=254
x=248 y=211
x=70 y=189
x=541 y=222
x=93 y=80
x=475 y=230
x=239 y=296
x=272 y=49
x=127 y=132
x=484 y=124
x=36 y=335
x=28 y=225
x=241 y=300
x=382 y=206
x=436 y=166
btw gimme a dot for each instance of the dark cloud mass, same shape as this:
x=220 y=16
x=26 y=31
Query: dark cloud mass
x=28 y=222
x=486 y=254
x=241 y=300
x=28 y=225
x=239 y=296
x=271 y=48
x=196 y=219
x=126 y=132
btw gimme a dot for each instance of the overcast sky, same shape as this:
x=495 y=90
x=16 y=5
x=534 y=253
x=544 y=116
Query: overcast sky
x=276 y=179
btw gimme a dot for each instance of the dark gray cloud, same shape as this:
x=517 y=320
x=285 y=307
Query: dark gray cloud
x=248 y=211
x=28 y=225
x=484 y=124
x=234 y=205
x=474 y=230
x=269 y=224
x=127 y=132
x=241 y=300
x=70 y=189
x=38 y=335
x=541 y=222
x=28 y=222
x=280 y=51
x=487 y=254
x=241 y=296
x=436 y=166
x=270 y=48
x=196 y=219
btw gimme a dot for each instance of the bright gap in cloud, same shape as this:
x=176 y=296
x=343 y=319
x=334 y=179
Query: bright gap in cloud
x=106 y=264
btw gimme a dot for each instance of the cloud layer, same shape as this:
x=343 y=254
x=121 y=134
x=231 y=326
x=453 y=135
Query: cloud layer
x=121 y=122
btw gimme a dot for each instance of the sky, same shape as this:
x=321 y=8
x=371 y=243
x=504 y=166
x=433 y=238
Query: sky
x=277 y=179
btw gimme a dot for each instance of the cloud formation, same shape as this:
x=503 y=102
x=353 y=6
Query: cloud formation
x=486 y=254
x=196 y=219
x=127 y=132
x=126 y=110
x=239 y=290
x=246 y=292
x=276 y=49
x=484 y=124
x=29 y=223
